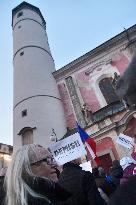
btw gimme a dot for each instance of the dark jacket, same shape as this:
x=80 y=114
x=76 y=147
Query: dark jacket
x=116 y=174
x=125 y=194
x=128 y=172
x=54 y=194
x=107 y=187
x=81 y=184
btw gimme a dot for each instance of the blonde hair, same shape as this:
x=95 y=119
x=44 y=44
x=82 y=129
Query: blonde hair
x=17 y=189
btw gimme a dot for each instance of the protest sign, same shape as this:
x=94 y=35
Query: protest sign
x=125 y=141
x=68 y=149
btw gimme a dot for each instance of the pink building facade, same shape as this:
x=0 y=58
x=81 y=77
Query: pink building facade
x=88 y=96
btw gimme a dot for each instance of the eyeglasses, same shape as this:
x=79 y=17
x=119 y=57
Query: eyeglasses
x=47 y=161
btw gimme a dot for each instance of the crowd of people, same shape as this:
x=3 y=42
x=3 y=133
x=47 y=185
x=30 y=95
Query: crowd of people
x=121 y=174
x=34 y=178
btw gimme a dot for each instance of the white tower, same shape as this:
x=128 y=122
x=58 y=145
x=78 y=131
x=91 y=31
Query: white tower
x=37 y=106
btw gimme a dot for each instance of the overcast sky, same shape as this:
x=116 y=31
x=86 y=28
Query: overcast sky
x=74 y=27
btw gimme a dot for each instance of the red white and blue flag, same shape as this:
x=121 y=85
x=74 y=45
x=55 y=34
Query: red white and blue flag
x=89 y=142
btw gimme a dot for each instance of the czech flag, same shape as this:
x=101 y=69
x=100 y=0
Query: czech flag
x=90 y=144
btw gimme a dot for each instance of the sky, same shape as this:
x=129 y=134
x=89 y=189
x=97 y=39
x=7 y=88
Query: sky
x=74 y=27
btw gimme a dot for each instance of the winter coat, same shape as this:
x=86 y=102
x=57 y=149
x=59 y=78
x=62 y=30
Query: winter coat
x=101 y=182
x=81 y=184
x=116 y=174
x=55 y=195
x=107 y=188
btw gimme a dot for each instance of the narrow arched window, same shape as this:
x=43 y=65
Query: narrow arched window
x=27 y=137
x=20 y=14
x=107 y=90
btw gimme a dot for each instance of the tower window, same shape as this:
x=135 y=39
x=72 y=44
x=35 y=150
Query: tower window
x=24 y=113
x=27 y=137
x=22 y=53
x=20 y=14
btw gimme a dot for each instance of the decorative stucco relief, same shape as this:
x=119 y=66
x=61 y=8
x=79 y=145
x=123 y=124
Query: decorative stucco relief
x=120 y=61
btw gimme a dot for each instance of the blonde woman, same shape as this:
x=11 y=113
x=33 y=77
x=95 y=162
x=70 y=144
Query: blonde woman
x=31 y=178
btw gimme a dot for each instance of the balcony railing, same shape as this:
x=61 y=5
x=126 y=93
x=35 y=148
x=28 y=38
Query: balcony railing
x=108 y=111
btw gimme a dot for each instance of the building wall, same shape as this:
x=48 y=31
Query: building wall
x=86 y=90
x=106 y=144
x=86 y=75
x=120 y=61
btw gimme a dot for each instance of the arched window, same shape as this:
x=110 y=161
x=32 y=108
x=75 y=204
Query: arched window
x=20 y=14
x=27 y=135
x=107 y=90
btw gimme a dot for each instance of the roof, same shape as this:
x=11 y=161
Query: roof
x=27 y=5
x=10 y=146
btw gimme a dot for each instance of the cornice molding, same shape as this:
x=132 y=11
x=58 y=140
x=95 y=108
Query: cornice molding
x=101 y=63
x=126 y=118
x=114 y=126
x=104 y=130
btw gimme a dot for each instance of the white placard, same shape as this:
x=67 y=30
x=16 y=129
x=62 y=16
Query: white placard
x=86 y=166
x=125 y=141
x=68 y=149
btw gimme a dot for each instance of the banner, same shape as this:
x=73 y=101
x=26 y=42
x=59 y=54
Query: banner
x=125 y=141
x=68 y=149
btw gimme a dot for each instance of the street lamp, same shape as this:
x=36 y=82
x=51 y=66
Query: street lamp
x=53 y=137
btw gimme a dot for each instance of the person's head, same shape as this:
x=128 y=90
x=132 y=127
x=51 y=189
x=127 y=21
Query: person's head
x=101 y=171
x=77 y=161
x=116 y=163
x=41 y=162
x=125 y=194
x=95 y=172
x=29 y=161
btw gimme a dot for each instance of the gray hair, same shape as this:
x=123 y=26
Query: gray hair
x=16 y=187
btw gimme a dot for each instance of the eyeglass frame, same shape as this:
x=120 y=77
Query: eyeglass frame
x=48 y=160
